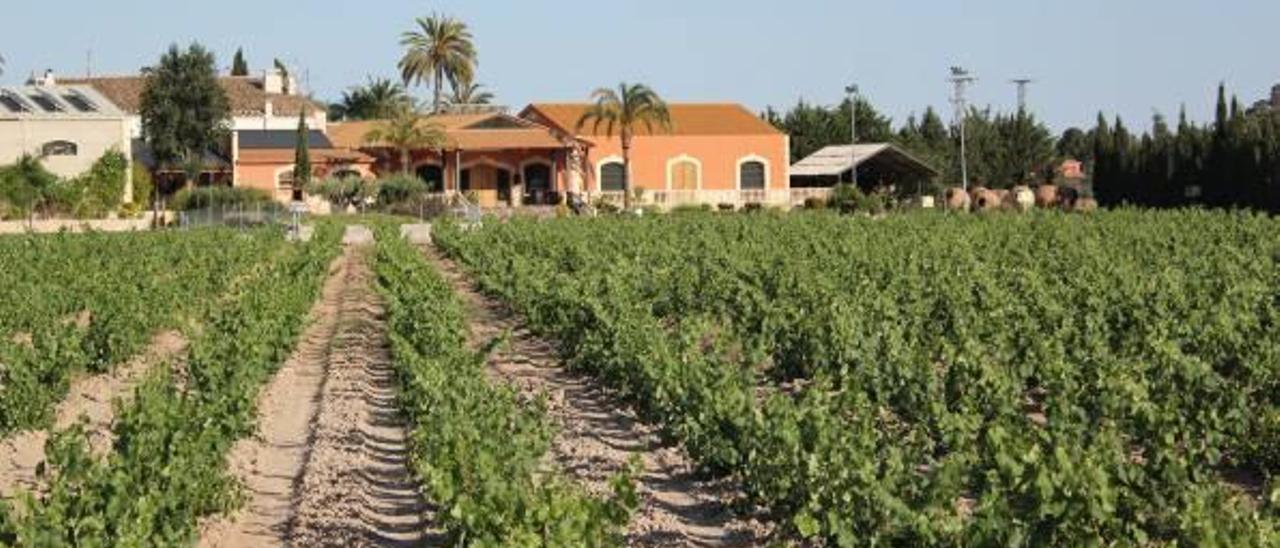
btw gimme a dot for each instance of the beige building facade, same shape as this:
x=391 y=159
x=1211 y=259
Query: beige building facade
x=68 y=127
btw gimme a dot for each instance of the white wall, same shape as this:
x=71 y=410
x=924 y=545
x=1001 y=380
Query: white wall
x=92 y=137
x=318 y=120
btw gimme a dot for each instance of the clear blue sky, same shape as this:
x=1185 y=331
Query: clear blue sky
x=1120 y=56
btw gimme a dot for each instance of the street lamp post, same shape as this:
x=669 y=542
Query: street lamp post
x=852 y=90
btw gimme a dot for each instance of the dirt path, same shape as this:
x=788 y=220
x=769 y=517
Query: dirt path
x=598 y=436
x=328 y=464
x=91 y=397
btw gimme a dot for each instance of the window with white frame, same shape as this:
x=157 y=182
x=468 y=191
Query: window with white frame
x=752 y=175
x=613 y=177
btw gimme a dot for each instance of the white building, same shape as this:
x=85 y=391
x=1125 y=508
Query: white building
x=268 y=102
x=69 y=126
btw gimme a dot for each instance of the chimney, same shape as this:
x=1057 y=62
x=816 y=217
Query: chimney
x=273 y=82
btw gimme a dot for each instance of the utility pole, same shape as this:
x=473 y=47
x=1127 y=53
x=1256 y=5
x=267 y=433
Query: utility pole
x=960 y=78
x=1022 y=91
x=852 y=90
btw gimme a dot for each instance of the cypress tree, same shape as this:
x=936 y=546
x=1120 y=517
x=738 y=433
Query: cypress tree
x=239 y=67
x=302 y=155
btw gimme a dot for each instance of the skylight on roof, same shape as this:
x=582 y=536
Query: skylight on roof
x=47 y=103
x=82 y=103
x=13 y=102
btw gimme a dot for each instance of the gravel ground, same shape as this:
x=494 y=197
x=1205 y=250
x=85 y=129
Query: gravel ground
x=327 y=466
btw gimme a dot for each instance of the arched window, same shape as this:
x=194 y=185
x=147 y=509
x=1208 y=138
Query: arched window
x=684 y=173
x=751 y=175
x=60 y=148
x=613 y=176
x=433 y=175
x=347 y=173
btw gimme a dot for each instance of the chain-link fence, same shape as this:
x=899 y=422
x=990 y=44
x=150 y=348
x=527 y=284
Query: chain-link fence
x=237 y=216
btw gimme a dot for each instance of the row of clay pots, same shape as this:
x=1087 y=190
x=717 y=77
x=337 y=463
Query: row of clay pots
x=1019 y=198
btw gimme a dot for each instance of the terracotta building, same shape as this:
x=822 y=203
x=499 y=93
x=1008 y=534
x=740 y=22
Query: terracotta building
x=713 y=153
x=498 y=158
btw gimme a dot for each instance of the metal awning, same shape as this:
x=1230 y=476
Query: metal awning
x=836 y=160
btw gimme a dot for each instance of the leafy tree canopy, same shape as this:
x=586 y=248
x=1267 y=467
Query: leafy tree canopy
x=185 y=111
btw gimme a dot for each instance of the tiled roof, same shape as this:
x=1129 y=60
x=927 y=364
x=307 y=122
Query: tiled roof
x=686 y=119
x=244 y=93
x=465 y=131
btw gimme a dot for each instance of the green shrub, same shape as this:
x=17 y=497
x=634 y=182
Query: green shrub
x=26 y=185
x=845 y=198
x=143 y=186
x=850 y=199
x=96 y=192
x=345 y=192
x=218 y=196
x=691 y=208
x=815 y=203
x=399 y=188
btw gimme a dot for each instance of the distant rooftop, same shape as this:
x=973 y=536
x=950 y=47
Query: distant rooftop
x=247 y=95
x=55 y=102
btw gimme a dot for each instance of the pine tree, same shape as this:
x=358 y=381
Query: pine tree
x=239 y=67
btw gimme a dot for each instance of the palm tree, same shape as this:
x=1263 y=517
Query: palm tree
x=626 y=109
x=380 y=99
x=470 y=93
x=406 y=131
x=441 y=49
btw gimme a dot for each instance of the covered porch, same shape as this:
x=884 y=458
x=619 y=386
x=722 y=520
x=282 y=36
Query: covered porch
x=492 y=158
x=499 y=177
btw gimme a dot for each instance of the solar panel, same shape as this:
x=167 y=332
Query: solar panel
x=45 y=103
x=82 y=103
x=12 y=102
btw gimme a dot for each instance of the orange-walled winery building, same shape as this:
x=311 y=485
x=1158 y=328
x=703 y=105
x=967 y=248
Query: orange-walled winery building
x=712 y=153
x=708 y=148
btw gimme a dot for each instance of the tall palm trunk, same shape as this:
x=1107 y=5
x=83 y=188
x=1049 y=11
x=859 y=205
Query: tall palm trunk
x=435 y=105
x=404 y=161
x=626 y=169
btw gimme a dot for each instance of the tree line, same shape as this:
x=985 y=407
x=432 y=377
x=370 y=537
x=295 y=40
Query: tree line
x=1003 y=149
x=1234 y=161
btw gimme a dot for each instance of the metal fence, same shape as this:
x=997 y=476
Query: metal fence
x=237 y=216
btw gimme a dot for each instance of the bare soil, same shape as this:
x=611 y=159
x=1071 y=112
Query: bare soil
x=328 y=465
x=599 y=436
x=90 y=398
